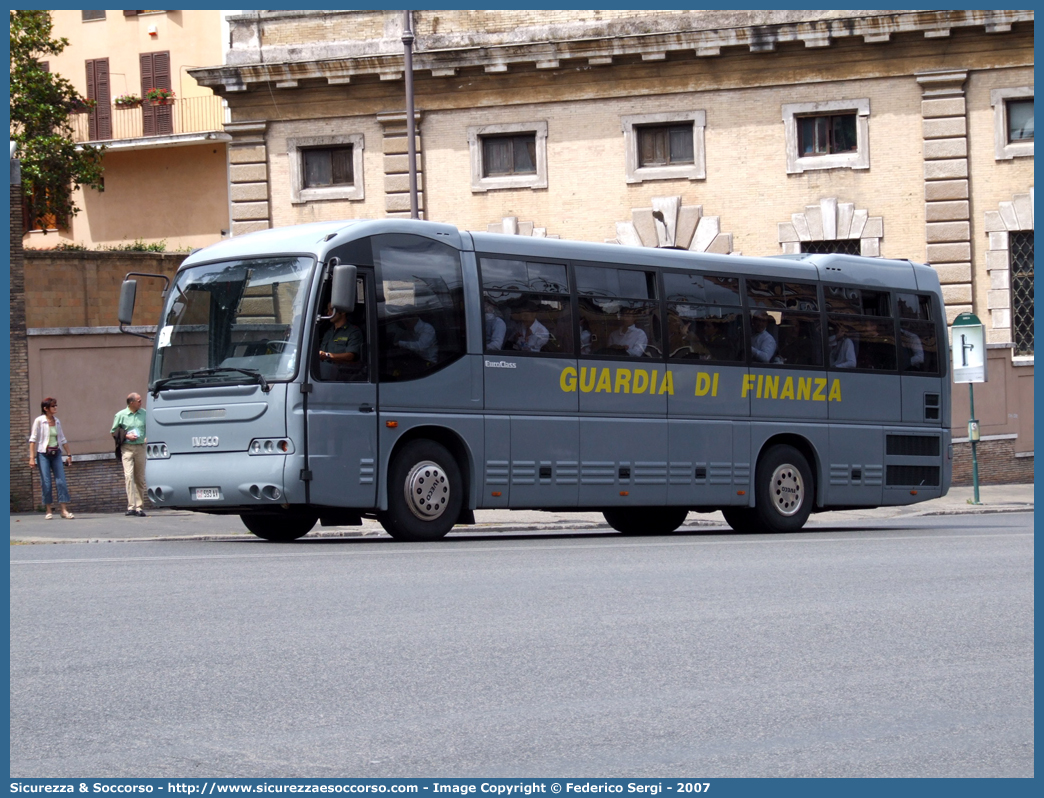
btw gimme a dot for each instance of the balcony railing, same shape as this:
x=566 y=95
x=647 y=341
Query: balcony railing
x=189 y=115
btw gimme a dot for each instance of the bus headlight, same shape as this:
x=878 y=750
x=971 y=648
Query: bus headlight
x=156 y=451
x=270 y=446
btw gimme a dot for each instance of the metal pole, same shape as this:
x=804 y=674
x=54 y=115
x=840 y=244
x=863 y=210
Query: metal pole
x=411 y=144
x=972 y=422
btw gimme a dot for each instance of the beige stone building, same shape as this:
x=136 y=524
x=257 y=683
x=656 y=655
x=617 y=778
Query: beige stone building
x=166 y=174
x=903 y=134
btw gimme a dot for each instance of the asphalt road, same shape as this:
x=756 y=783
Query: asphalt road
x=905 y=649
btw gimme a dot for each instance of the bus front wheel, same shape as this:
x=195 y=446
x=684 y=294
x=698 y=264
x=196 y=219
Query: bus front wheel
x=279 y=528
x=425 y=492
x=645 y=520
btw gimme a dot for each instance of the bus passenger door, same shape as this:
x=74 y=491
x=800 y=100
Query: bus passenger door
x=342 y=413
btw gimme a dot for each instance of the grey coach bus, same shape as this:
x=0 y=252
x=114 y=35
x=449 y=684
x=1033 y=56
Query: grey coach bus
x=412 y=372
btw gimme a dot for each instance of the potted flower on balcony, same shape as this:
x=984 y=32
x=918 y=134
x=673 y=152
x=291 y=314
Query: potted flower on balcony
x=81 y=105
x=160 y=96
x=127 y=101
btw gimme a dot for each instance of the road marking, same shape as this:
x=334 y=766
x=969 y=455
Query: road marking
x=448 y=549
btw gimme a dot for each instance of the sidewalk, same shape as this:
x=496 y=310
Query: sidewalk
x=183 y=525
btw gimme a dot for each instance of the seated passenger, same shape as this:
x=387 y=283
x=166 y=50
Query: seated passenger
x=797 y=344
x=913 y=349
x=628 y=338
x=762 y=344
x=424 y=343
x=496 y=328
x=682 y=341
x=530 y=335
x=587 y=338
x=842 y=350
x=341 y=344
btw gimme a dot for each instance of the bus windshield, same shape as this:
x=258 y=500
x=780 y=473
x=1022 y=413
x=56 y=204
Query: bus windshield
x=233 y=322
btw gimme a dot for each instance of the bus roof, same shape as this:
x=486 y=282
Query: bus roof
x=317 y=238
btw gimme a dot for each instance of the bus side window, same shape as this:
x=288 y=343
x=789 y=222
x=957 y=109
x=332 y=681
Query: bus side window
x=526 y=306
x=705 y=332
x=918 y=342
x=863 y=335
x=420 y=306
x=618 y=308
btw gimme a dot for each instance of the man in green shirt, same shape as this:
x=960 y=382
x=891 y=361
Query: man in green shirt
x=132 y=421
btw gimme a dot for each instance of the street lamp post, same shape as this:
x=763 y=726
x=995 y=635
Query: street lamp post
x=407 y=42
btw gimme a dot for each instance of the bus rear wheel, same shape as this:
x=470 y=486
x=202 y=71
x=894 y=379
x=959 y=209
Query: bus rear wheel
x=645 y=520
x=279 y=528
x=425 y=492
x=783 y=493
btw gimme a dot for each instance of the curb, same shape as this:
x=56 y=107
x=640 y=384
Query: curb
x=556 y=527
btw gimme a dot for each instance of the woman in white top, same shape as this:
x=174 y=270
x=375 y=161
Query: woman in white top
x=45 y=450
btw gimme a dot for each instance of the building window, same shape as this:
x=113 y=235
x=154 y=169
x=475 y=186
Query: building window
x=1012 y=122
x=512 y=155
x=89 y=16
x=664 y=145
x=827 y=135
x=668 y=146
x=1020 y=120
x=1020 y=244
x=326 y=168
x=509 y=155
x=846 y=246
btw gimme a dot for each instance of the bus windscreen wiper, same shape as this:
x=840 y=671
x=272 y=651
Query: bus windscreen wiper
x=188 y=375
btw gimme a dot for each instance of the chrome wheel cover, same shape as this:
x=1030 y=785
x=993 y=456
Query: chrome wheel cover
x=427 y=490
x=787 y=490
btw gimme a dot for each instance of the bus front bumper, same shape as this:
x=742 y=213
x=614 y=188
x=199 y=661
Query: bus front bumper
x=219 y=481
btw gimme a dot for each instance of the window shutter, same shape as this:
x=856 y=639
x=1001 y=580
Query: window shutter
x=101 y=116
x=99 y=122
x=161 y=76
x=148 y=113
x=157 y=120
x=92 y=125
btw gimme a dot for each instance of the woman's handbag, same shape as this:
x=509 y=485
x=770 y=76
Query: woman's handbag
x=51 y=451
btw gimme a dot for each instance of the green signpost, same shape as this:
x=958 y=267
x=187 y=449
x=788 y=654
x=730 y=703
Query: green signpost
x=969 y=365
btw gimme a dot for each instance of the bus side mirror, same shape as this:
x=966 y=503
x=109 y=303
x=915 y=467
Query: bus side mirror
x=342 y=288
x=125 y=312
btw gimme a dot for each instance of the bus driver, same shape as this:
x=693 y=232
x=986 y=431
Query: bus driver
x=341 y=344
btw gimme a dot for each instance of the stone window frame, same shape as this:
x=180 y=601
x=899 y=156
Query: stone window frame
x=1016 y=215
x=299 y=194
x=479 y=183
x=832 y=220
x=697 y=170
x=1003 y=150
x=860 y=159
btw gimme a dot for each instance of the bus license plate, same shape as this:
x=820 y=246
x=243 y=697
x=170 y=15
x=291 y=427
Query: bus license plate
x=207 y=494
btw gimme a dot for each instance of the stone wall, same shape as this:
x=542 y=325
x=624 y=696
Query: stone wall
x=71 y=349
x=21 y=481
x=999 y=463
x=82 y=289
